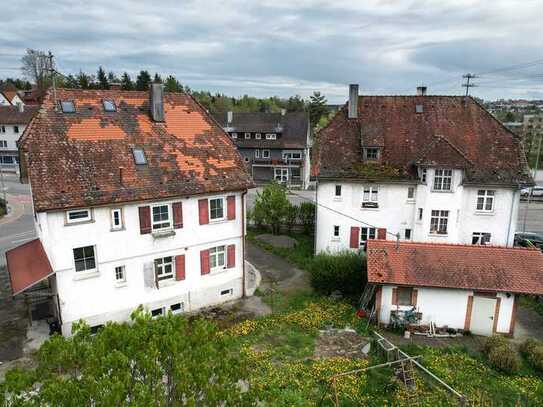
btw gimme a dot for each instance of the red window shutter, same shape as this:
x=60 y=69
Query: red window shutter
x=231 y=207
x=204 y=262
x=145 y=219
x=177 y=208
x=231 y=256
x=203 y=210
x=355 y=237
x=180 y=267
x=394 y=296
x=414 y=297
x=382 y=234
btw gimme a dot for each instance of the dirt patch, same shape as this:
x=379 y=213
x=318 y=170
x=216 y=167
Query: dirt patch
x=346 y=343
x=282 y=241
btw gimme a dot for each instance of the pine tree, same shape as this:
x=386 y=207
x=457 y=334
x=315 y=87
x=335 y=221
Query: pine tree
x=317 y=108
x=158 y=78
x=84 y=80
x=103 y=82
x=172 y=85
x=126 y=82
x=143 y=80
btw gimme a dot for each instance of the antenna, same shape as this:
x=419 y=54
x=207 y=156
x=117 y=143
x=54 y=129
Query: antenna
x=468 y=85
x=51 y=69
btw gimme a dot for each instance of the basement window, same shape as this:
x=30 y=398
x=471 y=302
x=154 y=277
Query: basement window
x=109 y=106
x=139 y=156
x=67 y=106
x=177 y=308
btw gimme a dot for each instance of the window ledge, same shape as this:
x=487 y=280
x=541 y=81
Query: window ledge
x=338 y=199
x=83 y=275
x=484 y=213
x=218 y=270
x=166 y=283
x=117 y=230
x=441 y=191
x=410 y=201
x=158 y=234
x=216 y=221
x=83 y=222
x=336 y=239
x=438 y=234
x=369 y=209
x=121 y=284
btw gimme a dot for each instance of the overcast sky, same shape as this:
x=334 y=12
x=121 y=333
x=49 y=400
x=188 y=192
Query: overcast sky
x=287 y=47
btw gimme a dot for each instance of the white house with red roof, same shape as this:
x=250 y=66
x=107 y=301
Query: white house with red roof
x=463 y=287
x=139 y=199
x=416 y=168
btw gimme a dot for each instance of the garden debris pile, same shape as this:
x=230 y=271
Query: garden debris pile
x=340 y=342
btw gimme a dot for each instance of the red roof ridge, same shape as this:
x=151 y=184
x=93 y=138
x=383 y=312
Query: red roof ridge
x=372 y=242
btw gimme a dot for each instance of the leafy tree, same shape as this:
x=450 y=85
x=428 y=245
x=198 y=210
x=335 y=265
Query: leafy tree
x=143 y=80
x=295 y=104
x=272 y=203
x=158 y=78
x=172 y=85
x=103 y=82
x=126 y=82
x=307 y=216
x=84 y=81
x=291 y=216
x=317 y=108
x=162 y=362
x=36 y=66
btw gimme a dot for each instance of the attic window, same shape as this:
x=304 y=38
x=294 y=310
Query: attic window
x=67 y=106
x=109 y=106
x=419 y=108
x=371 y=153
x=139 y=156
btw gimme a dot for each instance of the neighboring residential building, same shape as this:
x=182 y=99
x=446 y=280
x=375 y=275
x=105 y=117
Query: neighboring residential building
x=13 y=121
x=139 y=199
x=275 y=146
x=465 y=287
x=9 y=96
x=421 y=168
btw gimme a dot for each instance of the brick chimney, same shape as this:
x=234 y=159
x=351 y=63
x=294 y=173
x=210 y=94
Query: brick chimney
x=353 y=101
x=229 y=117
x=421 y=90
x=157 y=102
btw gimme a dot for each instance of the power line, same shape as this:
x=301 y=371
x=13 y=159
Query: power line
x=396 y=235
x=467 y=84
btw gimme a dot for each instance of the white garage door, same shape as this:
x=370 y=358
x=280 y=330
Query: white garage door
x=482 y=315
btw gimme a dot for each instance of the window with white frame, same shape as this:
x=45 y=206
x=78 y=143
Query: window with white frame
x=485 y=200
x=421 y=211
x=78 y=215
x=336 y=232
x=229 y=291
x=271 y=136
x=370 y=196
x=407 y=234
x=177 y=308
x=217 y=258
x=366 y=234
x=157 y=312
x=164 y=268
x=258 y=136
x=292 y=155
x=2 y=129
x=257 y=153
x=247 y=136
x=265 y=153
x=116 y=219
x=442 y=179
x=439 y=222
x=84 y=259
x=410 y=193
x=337 y=193
x=216 y=209
x=371 y=153
x=161 y=217
x=481 y=238
x=16 y=129
x=234 y=135
x=404 y=295
x=3 y=143
x=120 y=275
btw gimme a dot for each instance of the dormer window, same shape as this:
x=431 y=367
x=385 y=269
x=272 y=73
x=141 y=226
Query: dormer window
x=109 y=106
x=271 y=136
x=258 y=136
x=139 y=156
x=234 y=135
x=371 y=153
x=67 y=106
x=248 y=136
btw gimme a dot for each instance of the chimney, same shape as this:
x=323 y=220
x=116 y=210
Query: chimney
x=421 y=90
x=283 y=112
x=20 y=107
x=229 y=117
x=353 y=101
x=157 y=102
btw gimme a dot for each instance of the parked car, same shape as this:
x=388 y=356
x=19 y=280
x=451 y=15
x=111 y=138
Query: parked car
x=525 y=238
x=537 y=191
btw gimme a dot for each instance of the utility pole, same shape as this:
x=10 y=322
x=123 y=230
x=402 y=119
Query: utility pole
x=468 y=85
x=532 y=188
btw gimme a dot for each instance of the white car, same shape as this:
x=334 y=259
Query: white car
x=537 y=191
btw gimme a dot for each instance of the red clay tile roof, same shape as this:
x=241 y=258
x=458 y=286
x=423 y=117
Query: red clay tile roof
x=451 y=130
x=11 y=114
x=28 y=264
x=73 y=159
x=471 y=267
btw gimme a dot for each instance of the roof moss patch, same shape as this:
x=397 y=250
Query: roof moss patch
x=378 y=171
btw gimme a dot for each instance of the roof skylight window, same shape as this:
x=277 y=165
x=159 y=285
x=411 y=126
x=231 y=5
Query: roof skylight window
x=139 y=156
x=109 y=106
x=67 y=106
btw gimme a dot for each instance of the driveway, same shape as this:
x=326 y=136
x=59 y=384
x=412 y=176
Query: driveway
x=529 y=324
